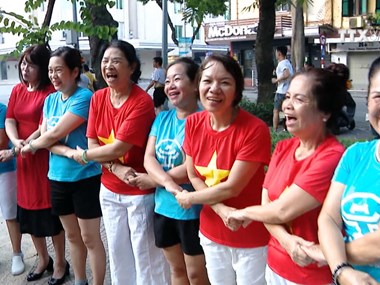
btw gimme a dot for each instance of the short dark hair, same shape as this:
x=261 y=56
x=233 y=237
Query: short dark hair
x=38 y=55
x=130 y=55
x=282 y=49
x=191 y=67
x=158 y=59
x=373 y=70
x=85 y=67
x=232 y=68
x=71 y=57
x=341 y=70
x=327 y=90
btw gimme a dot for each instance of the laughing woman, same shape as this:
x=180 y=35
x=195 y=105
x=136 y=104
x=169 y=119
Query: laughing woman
x=75 y=189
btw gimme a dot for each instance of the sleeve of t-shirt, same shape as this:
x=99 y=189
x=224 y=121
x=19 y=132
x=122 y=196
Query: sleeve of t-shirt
x=136 y=126
x=11 y=103
x=3 y=110
x=274 y=161
x=188 y=137
x=155 y=75
x=92 y=115
x=342 y=172
x=256 y=144
x=317 y=178
x=81 y=103
x=155 y=125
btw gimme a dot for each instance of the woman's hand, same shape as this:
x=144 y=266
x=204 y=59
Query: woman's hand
x=19 y=143
x=173 y=188
x=238 y=217
x=183 y=199
x=315 y=252
x=77 y=155
x=224 y=212
x=350 y=276
x=293 y=247
x=124 y=173
x=5 y=155
x=26 y=149
x=142 y=181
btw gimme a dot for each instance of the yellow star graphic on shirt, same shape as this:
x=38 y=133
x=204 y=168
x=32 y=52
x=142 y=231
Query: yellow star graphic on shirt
x=110 y=140
x=212 y=174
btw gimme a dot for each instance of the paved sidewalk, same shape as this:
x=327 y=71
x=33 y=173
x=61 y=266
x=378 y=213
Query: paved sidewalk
x=30 y=259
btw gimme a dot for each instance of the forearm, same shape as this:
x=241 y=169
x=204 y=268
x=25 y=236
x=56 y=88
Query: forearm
x=156 y=172
x=364 y=250
x=11 y=130
x=60 y=149
x=179 y=174
x=149 y=86
x=105 y=153
x=331 y=241
x=212 y=195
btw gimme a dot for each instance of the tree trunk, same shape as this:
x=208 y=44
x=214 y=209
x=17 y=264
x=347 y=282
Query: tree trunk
x=298 y=36
x=47 y=19
x=264 y=47
x=99 y=16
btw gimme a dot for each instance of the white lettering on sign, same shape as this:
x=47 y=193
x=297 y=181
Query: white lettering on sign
x=360 y=35
x=228 y=31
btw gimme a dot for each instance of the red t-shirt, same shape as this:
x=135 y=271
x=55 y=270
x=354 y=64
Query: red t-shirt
x=130 y=123
x=246 y=139
x=33 y=189
x=313 y=174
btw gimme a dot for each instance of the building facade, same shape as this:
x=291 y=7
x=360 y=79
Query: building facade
x=139 y=24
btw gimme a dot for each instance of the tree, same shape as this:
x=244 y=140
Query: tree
x=97 y=23
x=193 y=13
x=298 y=35
x=264 y=43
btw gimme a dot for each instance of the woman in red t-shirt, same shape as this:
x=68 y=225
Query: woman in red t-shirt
x=298 y=179
x=24 y=114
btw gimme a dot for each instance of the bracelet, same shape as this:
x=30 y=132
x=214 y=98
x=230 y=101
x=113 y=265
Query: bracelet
x=31 y=146
x=13 y=151
x=84 y=156
x=110 y=166
x=338 y=270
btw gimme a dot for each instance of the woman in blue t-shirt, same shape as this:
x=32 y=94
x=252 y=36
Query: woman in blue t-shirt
x=8 y=195
x=175 y=229
x=353 y=205
x=75 y=188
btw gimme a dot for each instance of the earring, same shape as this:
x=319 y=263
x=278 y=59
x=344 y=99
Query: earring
x=324 y=120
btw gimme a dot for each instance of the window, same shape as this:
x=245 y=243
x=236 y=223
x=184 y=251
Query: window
x=197 y=36
x=178 y=31
x=283 y=8
x=3 y=70
x=1 y=39
x=177 y=8
x=121 y=31
x=377 y=6
x=119 y=4
x=355 y=7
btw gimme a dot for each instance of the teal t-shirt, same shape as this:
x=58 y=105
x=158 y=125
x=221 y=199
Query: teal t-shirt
x=359 y=170
x=62 y=168
x=170 y=133
x=10 y=165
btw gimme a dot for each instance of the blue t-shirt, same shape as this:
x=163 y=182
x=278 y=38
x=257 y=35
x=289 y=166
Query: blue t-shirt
x=359 y=170
x=62 y=168
x=11 y=164
x=170 y=133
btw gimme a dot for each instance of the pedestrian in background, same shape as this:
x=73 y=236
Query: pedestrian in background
x=298 y=179
x=23 y=117
x=75 y=188
x=158 y=82
x=176 y=229
x=8 y=195
x=118 y=126
x=226 y=151
x=349 y=221
x=284 y=73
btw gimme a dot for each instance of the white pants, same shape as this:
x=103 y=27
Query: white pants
x=273 y=278
x=8 y=195
x=134 y=258
x=229 y=266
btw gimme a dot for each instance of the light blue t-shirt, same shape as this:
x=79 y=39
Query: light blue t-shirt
x=359 y=170
x=170 y=133
x=11 y=164
x=62 y=168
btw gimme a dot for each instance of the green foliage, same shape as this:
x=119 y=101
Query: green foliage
x=32 y=33
x=262 y=110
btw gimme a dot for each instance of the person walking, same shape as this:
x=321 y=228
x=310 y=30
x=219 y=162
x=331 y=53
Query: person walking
x=33 y=190
x=158 y=81
x=284 y=73
x=8 y=195
x=75 y=189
